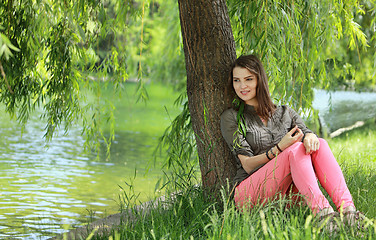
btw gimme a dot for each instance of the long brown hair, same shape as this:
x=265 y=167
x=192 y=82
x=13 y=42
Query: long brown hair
x=254 y=65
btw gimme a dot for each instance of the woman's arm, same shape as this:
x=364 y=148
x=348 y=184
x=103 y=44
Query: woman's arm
x=234 y=139
x=311 y=142
x=297 y=120
x=250 y=163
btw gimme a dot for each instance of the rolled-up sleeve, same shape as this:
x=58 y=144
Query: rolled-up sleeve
x=297 y=120
x=235 y=140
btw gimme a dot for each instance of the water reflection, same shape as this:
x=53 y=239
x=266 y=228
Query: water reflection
x=46 y=187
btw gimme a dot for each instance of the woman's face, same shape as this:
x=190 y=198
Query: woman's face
x=245 y=84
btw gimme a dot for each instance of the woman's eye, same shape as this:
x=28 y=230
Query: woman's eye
x=236 y=80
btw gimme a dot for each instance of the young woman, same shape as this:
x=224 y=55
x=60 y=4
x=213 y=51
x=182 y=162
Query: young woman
x=276 y=153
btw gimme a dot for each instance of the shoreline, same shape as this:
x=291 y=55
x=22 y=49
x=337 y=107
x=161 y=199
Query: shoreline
x=106 y=225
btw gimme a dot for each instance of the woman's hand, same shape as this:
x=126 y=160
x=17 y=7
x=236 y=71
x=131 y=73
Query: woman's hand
x=293 y=136
x=311 y=143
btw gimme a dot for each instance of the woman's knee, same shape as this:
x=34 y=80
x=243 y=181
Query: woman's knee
x=323 y=145
x=297 y=152
x=323 y=141
x=296 y=147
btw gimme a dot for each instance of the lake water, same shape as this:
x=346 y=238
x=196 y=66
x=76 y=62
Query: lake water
x=44 y=186
x=343 y=108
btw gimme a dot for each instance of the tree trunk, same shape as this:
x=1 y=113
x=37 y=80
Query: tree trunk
x=209 y=49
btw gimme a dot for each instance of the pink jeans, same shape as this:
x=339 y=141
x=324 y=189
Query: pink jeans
x=294 y=166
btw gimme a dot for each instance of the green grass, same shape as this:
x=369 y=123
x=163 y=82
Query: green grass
x=193 y=216
x=355 y=151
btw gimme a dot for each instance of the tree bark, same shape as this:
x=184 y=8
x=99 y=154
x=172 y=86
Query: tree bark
x=209 y=49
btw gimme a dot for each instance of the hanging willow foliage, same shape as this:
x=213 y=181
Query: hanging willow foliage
x=49 y=60
x=294 y=40
x=48 y=50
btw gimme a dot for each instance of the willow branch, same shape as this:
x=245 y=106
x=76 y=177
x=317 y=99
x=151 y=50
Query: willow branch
x=5 y=78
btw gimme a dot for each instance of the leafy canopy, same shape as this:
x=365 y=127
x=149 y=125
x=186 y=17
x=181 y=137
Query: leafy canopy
x=51 y=59
x=57 y=56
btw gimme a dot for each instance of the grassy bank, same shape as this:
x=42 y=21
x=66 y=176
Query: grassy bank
x=192 y=216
